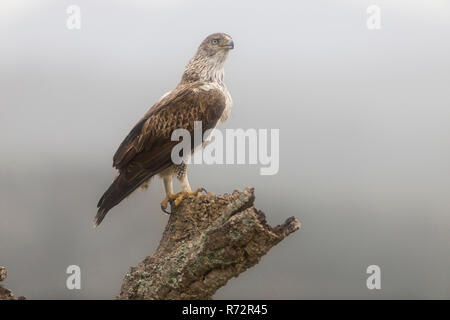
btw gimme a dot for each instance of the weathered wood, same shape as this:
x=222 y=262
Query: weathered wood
x=208 y=240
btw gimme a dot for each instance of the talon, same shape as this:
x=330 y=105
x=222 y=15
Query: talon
x=164 y=209
x=182 y=195
x=178 y=197
x=201 y=190
x=197 y=191
x=169 y=198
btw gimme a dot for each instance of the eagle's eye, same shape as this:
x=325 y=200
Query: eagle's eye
x=215 y=41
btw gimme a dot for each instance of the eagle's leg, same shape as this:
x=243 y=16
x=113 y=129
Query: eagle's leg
x=170 y=196
x=186 y=188
x=174 y=199
x=182 y=176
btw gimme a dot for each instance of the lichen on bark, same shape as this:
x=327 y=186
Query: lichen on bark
x=208 y=240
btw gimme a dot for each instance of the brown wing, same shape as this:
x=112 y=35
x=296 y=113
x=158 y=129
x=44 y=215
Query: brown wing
x=147 y=149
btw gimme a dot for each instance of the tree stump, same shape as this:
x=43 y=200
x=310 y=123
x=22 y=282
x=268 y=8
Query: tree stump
x=208 y=240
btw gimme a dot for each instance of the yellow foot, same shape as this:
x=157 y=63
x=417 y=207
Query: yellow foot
x=182 y=195
x=169 y=198
x=175 y=199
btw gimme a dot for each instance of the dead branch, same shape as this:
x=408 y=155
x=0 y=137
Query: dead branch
x=208 y=240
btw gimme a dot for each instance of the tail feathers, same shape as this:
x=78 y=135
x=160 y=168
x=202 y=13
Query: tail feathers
x=99 y=217
x=117 y=191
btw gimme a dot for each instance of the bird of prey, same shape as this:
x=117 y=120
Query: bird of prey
x=201 y=95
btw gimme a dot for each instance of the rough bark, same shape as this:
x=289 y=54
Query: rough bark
x=5 y=293
x=208 y=240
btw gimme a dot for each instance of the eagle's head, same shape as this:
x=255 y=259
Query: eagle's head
x=216 y=46
x=207 y=64
x=215 y=43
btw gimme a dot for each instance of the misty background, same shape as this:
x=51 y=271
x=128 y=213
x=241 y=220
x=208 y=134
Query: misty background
x=364 y=119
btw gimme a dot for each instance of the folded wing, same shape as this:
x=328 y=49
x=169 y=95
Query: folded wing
x=147 y=149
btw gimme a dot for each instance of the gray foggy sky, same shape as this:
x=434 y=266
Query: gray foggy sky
x=364 y=119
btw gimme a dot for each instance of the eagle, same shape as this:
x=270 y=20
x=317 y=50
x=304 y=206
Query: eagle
x=201 y=95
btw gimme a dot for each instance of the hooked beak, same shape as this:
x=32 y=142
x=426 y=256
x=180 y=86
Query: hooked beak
x=230 y=44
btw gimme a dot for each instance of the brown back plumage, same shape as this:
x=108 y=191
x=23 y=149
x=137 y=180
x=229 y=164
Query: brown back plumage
x=147 y=149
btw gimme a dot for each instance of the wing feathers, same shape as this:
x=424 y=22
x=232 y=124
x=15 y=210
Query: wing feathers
x=147 y=149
